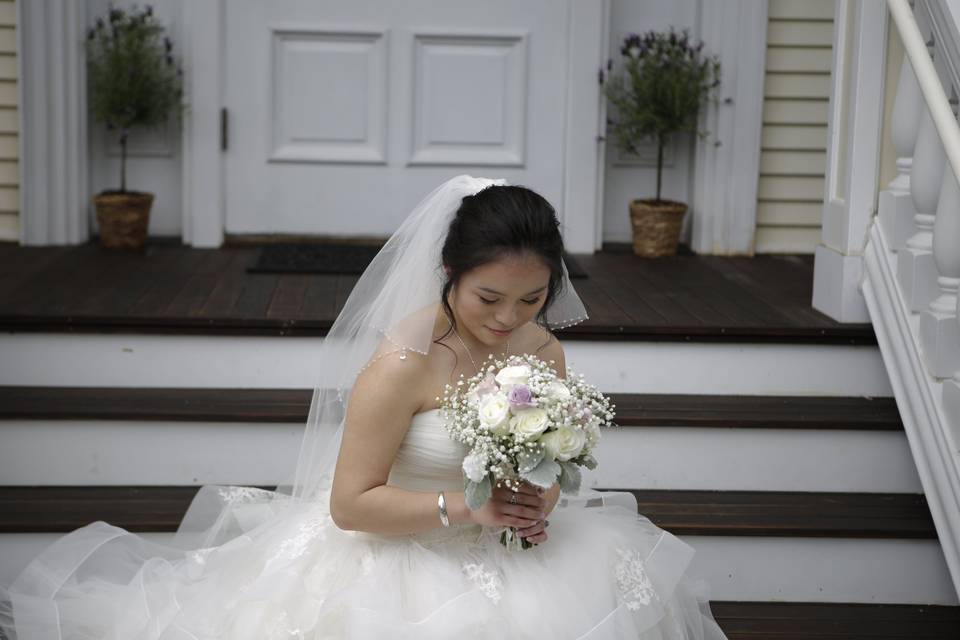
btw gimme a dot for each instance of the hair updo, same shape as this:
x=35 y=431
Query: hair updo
x=500 y=221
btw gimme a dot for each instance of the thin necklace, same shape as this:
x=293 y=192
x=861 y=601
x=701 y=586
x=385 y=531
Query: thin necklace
x=507 y=350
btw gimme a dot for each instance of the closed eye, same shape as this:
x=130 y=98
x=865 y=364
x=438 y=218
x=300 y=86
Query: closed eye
x=485 y=301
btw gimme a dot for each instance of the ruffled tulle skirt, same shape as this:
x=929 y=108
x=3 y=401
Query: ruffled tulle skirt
x=273 y=569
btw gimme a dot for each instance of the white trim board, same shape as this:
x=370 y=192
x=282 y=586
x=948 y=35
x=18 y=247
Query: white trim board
x=727 y=161
x=918 y=396
x=270 y=362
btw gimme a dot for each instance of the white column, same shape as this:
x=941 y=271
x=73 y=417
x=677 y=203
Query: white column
x=852 y=183
x=916 y=271
x=895 y=206
x=54 y=192
x=939 y=331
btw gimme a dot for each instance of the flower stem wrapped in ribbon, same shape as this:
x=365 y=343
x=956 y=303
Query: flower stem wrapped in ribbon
x=524 y=423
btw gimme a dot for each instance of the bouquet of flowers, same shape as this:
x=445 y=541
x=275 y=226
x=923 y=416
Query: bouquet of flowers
x=522 y=422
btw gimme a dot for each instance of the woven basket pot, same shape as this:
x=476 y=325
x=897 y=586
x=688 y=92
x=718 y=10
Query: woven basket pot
x=123 y=218
x=656 y=226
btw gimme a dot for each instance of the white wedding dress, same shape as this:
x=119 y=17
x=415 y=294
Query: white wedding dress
x=289 y=572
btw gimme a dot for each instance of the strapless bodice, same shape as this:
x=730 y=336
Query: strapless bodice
x=428 y=458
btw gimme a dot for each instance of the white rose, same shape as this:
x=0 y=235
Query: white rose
x=564 y=443
x=515 y=374
x=529 y=423
x=556 y=390
x=494 y=411
x=474 y=467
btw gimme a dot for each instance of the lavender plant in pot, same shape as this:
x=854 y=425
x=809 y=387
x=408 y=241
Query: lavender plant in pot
x=133 y=81
x=664 y=82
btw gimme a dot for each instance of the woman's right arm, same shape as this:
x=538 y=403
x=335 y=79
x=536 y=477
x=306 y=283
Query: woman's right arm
x=382 y=404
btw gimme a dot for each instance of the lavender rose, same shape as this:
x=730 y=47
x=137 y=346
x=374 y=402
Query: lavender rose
x=521 y=397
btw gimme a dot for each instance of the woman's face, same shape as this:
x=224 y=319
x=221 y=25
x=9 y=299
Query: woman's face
x=500 y=295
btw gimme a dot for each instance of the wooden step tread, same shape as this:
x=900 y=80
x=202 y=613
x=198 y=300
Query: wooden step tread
x=835 y=620
x=745 y=620
x=724 y=513
x=292 y=405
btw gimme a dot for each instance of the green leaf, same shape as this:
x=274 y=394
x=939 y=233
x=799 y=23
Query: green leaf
x=528 y=460
x=569 y=477
x=589 y=461
x=544 y=474
x=477 y=493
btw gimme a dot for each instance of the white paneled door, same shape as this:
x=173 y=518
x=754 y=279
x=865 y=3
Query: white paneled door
x=343 y=114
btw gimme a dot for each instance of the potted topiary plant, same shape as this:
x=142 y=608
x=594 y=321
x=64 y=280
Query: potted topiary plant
x=133 y=82
x=664 y=83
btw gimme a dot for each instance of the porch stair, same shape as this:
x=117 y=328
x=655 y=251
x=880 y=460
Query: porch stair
x=829 y=524
x=761 y=432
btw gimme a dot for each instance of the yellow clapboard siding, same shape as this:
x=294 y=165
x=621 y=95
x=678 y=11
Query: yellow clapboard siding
x=806 y=10
x=805 y=34
x=812 y=137
x=9 y=198
x=793 y=162
x=8 y=94
x=9 y=226
x=779 y=214
x=9 y=120
x=8 y=67
x=790 y=188
x=799 y=59
x=795 y=112
x=9 y=147
x=797 y=85
x=8 y=40
x=9 y=172
x=8 y=14
x=786 y=239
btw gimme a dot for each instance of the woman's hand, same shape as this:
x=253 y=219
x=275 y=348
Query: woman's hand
x=526 y=514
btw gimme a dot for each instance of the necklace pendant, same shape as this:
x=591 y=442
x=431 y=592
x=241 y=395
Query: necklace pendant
x=403 y=354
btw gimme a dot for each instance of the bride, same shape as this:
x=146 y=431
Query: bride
x=372 y=538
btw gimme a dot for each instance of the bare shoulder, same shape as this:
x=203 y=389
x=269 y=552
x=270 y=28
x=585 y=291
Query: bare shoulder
x=388 y=377
x=543 y=344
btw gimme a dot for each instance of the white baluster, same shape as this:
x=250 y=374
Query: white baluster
x=916 y=270
x=939 y=331
x=905 y=124
x=895 y=206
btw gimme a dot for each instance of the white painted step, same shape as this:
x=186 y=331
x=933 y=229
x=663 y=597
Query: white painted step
x=125 y=360
x=738 y=568
x=107 y=452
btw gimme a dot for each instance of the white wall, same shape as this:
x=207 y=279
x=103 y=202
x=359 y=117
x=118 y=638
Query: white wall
x=153 y=159
x=627 y=177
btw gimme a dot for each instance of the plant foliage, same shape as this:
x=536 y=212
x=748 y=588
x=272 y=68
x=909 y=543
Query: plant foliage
x=133 y=79
x=663 y=84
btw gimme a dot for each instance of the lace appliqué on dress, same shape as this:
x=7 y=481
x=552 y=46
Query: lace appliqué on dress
x=488 y=581
x=307 y=531
x=242 y=495
x=632 y=579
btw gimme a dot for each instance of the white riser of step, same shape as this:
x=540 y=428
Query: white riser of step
x=737 y=568
x=101 y=452
x=125 y=360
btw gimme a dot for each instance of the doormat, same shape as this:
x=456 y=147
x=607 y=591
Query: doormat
x=332 y=257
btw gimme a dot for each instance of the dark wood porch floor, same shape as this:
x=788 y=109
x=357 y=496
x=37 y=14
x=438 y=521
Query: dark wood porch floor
x=171 y=288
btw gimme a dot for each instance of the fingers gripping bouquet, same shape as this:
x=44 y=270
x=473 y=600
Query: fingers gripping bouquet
x=522 y=422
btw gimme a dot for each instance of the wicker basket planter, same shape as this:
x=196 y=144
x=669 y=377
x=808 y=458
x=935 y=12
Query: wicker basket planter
x=656 y=226
x=123 y=218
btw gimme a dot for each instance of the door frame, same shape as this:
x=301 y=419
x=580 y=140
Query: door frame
x=204 y=167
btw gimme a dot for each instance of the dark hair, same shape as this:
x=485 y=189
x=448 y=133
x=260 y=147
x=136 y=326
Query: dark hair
x=498 y=221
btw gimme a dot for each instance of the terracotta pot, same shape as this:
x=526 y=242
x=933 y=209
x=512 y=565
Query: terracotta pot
x=656 y=226
x=123 y=218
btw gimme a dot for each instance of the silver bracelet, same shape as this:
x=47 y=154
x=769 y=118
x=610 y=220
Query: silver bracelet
x=442 y=505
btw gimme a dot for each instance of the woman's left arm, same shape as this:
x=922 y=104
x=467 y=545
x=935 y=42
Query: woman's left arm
x=554 y=351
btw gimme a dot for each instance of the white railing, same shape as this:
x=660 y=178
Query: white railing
x=912 y=261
